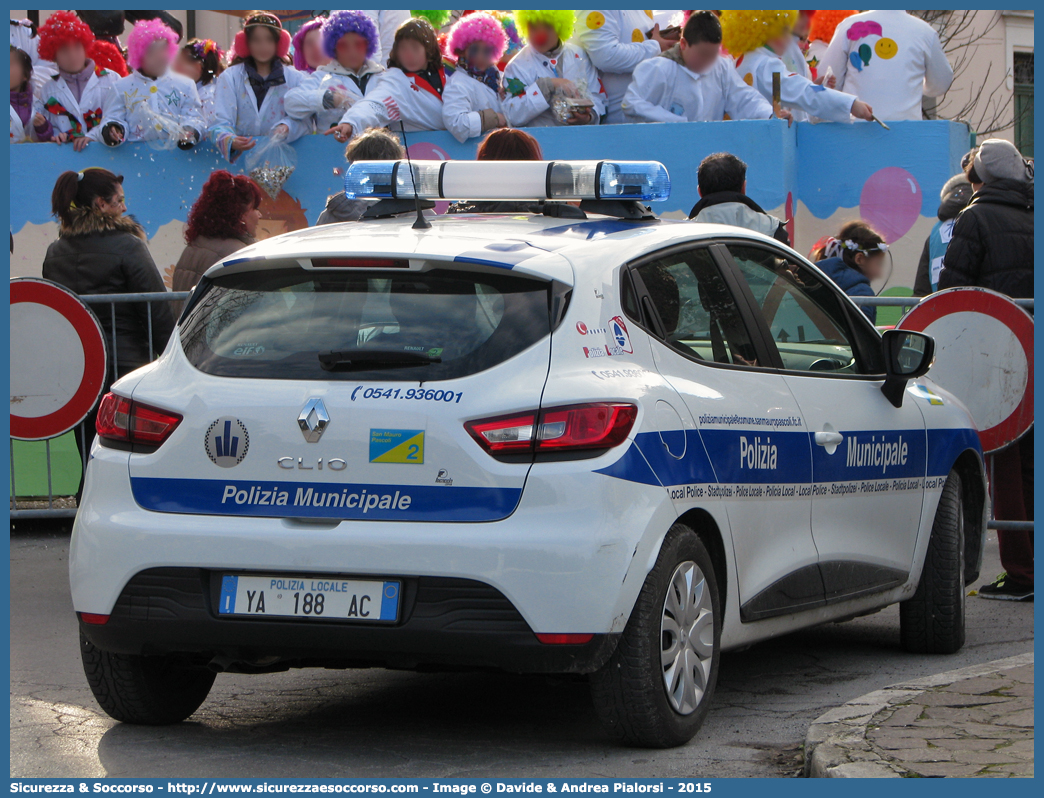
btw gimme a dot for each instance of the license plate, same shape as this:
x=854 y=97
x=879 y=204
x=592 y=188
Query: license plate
x=309 y=597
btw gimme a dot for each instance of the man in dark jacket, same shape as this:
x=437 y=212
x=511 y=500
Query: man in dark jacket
x=992 y=247
x=722 y=183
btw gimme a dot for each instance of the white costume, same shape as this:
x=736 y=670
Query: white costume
x=387 y=20
x=139 y=98
x=236 y=112
x=526 y=105
x=803 y=97
x=84 y=117
x=206 y=96
x=888 y=59
x=664 y=90
x=19 y=135
x=794 y=58
x=396 y=96
x=462 y=101
x=306 y=101
x=22 y=38
x=616 y=43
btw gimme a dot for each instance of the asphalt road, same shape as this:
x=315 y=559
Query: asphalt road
x=375 y=723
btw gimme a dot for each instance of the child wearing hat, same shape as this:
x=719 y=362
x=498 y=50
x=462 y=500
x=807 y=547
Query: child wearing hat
x=547 y=65
x=250 y=95
x=79 y=100
x=758 y=40
x=409 y=92
x=350 y=39
x=154 y=95
x=693 y=82
x=471 y=104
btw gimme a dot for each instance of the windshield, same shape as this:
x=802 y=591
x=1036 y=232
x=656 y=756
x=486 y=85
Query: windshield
x=417 y=326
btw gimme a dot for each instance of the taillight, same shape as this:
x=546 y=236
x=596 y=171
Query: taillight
x=125 y=421
x=94 y=619
x=600 y=425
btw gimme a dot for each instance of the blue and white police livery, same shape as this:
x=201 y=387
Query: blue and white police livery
x=556 y=439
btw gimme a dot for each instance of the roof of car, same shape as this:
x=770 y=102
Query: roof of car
x=501 y=240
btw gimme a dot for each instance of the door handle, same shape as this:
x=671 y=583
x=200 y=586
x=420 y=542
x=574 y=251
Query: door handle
x=829 y=440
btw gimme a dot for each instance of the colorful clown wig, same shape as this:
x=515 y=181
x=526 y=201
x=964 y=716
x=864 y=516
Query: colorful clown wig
x=824 y=23
x=107 y=55
x=477 y=27
x=743 y=31
x=561 y=21
x=60 y=29
x=141 y=37
x=206 y=53
x=342 y=23
x=514 y=39
x=300 y=64
x=436 y=18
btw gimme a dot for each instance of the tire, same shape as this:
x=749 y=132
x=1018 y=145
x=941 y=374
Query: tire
x=149 y=691
x=932 y=620
x=630 y=691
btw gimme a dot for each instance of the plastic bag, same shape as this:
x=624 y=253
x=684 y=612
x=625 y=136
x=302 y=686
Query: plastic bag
x=161 y=132
x=270 y=164
x=566 y=101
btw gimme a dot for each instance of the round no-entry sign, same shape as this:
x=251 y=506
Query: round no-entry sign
x=983 y=356
x=58 y=359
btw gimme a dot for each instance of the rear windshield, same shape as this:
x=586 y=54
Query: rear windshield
x=416 y=326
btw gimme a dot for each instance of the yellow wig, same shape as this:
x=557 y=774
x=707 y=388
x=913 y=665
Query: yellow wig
x=743 y=31
x=561 y=21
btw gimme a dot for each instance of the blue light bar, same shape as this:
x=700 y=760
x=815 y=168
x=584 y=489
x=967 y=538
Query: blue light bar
x=643 y=181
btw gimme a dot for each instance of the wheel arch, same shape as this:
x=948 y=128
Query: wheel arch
x=706 y=528
x=969 y=466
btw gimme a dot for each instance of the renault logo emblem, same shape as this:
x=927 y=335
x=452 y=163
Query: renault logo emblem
x=313 y=420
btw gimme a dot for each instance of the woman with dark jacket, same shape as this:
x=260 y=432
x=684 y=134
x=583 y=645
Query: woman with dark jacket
x=992 y=247
x=854 y=259
x=992 y=244
x=101 y=251
x=223 y=220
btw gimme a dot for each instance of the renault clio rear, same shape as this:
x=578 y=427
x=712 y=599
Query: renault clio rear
x=557 y=441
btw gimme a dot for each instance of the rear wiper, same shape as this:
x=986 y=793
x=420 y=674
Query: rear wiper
x=351 y=359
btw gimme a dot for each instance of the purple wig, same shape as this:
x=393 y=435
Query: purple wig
x=342 y=22
x=300 y=64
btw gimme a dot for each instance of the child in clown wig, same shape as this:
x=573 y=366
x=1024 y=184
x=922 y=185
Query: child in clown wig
x=154 y=92
x=471 y=104
x=409 y=92
x=758 y=40
x=549 y=63
x=350 y=39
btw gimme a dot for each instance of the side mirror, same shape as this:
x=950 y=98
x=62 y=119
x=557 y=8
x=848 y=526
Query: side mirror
x=907 y=356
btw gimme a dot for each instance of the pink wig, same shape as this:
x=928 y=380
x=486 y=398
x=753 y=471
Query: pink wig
x=300 y=64
x=478 y=27
x=141 y=37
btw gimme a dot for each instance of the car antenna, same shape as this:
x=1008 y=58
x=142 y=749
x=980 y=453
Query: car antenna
x=421 y=223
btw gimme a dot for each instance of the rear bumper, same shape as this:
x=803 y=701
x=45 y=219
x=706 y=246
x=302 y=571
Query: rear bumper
x=443 y=622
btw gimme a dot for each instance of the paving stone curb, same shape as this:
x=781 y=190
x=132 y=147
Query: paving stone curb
x=836 y=745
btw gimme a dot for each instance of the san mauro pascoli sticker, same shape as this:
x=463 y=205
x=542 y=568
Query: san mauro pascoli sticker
x=404 y=446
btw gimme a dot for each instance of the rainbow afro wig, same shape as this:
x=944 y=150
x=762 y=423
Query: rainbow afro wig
x=743 y=31
x=141 y=37
x=341 y=23
x=477 y=27
x=561 y=21
x=107 y=55
x=60 y=29
x=824 y=23
x=436 y=18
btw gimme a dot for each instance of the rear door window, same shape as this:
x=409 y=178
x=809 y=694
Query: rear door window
x=295 y=323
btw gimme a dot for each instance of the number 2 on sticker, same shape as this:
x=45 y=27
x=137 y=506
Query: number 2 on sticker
x=413 y=450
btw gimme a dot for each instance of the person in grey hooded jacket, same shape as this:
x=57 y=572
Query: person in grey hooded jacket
x=376 y=144
x=722 y=183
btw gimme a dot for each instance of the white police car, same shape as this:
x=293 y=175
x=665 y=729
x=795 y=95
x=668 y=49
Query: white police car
x=548 y=439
